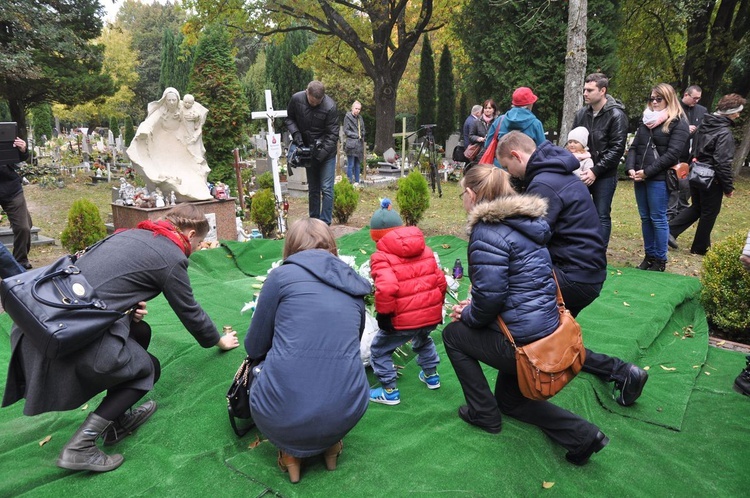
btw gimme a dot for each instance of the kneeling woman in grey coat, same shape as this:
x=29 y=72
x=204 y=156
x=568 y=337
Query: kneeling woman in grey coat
x=129 y=268
x=309 y=388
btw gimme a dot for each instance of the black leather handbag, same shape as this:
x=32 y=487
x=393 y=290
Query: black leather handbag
x=238 y=397
x=701 y=176
x=56 y=308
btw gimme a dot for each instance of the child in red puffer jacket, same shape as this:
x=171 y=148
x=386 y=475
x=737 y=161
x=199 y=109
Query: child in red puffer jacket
x=409 y=294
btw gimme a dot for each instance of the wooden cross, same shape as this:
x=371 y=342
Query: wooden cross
x=274 y=150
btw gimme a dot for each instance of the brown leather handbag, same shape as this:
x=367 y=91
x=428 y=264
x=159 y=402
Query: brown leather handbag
x=546 y=365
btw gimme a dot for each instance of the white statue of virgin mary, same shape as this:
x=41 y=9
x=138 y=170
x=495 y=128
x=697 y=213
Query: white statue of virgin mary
x=165 y=151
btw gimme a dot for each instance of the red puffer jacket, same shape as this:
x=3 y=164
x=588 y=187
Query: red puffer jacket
x=409 y=285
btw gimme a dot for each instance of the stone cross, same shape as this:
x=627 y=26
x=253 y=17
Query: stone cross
x=273 y=152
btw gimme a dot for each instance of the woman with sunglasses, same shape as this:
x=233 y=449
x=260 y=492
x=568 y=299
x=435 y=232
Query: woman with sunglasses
x=656 y=147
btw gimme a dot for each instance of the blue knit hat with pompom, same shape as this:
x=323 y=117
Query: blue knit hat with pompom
x=384 y=220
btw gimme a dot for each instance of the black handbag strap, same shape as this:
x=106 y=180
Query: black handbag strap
x=68 y=270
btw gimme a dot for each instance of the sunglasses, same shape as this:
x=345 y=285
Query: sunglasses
x=656 y=99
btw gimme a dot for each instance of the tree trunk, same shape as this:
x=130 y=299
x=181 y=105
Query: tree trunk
x=740 y=155
x=18 y=114
x=575 y=64
x=385 y=113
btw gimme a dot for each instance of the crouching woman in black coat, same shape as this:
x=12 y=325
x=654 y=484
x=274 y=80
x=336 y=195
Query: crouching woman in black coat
x=511 y=276
x=127 y=269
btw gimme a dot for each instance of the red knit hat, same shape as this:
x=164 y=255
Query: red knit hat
x=523 y=96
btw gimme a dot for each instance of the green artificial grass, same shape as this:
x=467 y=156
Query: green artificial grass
x=686 y=436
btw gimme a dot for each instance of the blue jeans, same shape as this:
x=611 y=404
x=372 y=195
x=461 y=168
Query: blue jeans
x=8 y=264
x=652 y=199
x=603 y=191
x=352 y=168
x=320 y=182
x=385 y=343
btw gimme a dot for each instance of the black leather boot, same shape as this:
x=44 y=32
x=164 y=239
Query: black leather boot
x=126 y=423
x=646 y=263
x=658 y=265
x=81 y=452
x=742 y=382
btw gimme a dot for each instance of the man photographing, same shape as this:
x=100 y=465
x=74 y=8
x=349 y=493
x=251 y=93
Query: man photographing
x=312 y=121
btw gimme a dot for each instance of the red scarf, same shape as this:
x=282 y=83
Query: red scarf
x=168 y=230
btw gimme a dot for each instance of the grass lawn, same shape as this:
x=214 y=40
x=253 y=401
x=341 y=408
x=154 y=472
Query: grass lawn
x=49 y=207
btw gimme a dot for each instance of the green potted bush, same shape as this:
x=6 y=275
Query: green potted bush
x=84 y=227
x=345 y=200
x=263 y=212
x=726 y=287
x=413 y=197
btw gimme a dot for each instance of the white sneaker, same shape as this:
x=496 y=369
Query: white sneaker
x=355 y=185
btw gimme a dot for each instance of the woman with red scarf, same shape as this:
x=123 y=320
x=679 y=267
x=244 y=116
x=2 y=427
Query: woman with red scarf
x=126 y=270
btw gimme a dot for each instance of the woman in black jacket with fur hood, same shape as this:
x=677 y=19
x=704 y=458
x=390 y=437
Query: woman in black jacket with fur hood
x=658 y=143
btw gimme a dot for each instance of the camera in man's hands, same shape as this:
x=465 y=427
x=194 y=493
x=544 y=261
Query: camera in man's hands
x=301 y=157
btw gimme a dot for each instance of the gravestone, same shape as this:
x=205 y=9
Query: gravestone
x=450 y=144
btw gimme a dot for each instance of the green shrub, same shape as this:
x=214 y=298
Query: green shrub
x=413 y=197
x=265 y=180
x=85 y=226
x=345 y=200
x=263 y=211
x=726 y=287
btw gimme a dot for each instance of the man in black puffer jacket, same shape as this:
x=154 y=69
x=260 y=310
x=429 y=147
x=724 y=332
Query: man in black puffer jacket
x=576 y=246
x=313 y=121
x=605 y=119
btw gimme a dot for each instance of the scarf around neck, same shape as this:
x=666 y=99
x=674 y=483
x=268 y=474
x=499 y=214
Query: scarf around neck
x=168 y=230
x=652 y=119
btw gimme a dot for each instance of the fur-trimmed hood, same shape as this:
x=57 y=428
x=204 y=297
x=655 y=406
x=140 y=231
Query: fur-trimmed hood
x=521 y=212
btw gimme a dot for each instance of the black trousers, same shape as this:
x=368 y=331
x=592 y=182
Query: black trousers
x=577 y=296
x=20 y=223
x=466 y=348
x=704 y=208
x=119 y=400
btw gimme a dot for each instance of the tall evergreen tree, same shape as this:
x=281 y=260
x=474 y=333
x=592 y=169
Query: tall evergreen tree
x=168 y=61
x=215 y=84
x=496 y=69
x=446 y=98
x=114 y=127
x=47 y=54
x=282 y=75
x=426 y=86
x=129 y=131
x=42 y=120
x=176 y=62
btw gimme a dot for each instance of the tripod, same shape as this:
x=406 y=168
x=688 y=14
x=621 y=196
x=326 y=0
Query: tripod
x=427 y=148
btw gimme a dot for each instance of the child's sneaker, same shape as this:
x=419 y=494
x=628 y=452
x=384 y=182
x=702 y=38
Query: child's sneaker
x=432 y=381
x=385 y=396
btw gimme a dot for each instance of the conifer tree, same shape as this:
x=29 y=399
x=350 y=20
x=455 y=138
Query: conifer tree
x=283 y=77
x=446 y=98
x=215 y=85
x=426 y=86
x=41 y=118
x=129 y=131
x=168 y=61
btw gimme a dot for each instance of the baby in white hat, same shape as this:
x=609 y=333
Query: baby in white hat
x=578 y=139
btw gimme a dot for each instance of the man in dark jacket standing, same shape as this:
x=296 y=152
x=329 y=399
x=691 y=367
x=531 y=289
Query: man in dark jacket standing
x=605 y=119
x=678 y=199
x=13 y=203
x=576 y=246
x=312 y=121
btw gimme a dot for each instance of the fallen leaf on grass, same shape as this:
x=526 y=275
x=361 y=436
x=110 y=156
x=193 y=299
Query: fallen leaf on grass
x=363 y=251
x=254 y=444
x=707 y=373
x=85 y=407
x=625 y=304
x=547 y=485
x=257 y=286
x=45 y=440
x=668 y=369
x=446 y=246
x=721 y=343
x=262 y=278
x=652 y=294
x=647 y=368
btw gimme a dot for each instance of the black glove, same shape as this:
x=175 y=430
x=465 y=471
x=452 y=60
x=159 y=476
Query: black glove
x=297 y=139
x=320 y=154
x=384 y=322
